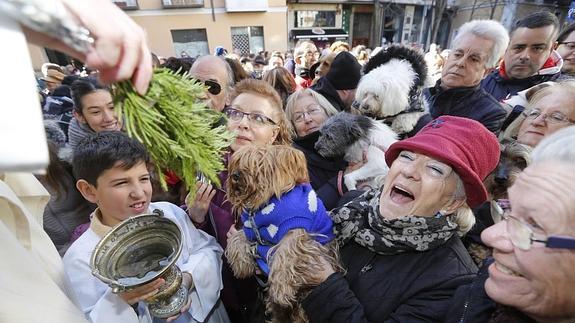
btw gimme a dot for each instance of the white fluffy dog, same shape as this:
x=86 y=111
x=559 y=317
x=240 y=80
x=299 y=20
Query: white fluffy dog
x=391 y=88
x=356 y=137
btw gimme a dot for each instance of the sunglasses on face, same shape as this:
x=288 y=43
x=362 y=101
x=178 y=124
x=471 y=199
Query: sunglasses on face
x=213 y=87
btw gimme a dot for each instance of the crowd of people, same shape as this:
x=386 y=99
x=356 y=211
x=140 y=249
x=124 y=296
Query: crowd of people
x=432 y=242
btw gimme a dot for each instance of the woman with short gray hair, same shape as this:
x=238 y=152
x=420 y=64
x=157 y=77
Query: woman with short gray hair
x=307 y=110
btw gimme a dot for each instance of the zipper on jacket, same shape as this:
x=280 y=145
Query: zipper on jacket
x=466 y=305
x=368 y=266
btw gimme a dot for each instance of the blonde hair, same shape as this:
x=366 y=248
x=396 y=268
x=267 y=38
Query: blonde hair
x=321 y=100
x=265 y=90
x=463 y=216
x=567 y=87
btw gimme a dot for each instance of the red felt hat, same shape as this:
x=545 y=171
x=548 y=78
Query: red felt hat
x=464 y=144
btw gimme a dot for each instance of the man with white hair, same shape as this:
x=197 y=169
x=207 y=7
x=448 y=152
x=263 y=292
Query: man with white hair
x=476 y=49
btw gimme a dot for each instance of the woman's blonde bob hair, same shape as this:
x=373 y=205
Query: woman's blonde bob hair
x=564 y=87
x=321 y=100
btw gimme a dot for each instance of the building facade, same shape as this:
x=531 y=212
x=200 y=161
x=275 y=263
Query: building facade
x=366 y=22
x=505 y=11
x=196 y=27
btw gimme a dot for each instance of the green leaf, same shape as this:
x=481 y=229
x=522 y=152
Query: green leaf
x=175 y=126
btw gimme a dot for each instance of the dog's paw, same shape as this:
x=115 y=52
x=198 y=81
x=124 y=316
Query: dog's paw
x=350 y=182
x=239 y=255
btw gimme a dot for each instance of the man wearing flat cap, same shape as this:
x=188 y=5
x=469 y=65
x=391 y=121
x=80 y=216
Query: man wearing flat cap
x=53 y=78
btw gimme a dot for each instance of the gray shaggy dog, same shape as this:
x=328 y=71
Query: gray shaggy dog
x=358 y=138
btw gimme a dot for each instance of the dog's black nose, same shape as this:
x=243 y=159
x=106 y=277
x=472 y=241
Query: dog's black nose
x=355 y=105
x=500 y=179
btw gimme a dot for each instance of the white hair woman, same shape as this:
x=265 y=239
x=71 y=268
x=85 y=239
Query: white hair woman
x=400 y=243
x=307 y=110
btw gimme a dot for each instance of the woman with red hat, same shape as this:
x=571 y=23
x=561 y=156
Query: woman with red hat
x=400 y=243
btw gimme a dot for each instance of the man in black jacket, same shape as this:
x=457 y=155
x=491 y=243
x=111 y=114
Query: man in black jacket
x=476 y=49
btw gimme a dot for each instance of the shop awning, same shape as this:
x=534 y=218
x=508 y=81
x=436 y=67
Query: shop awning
x=319 y=33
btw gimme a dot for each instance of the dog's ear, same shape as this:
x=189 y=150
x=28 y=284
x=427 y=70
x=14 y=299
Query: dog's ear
x=360 y=127
x=289 y=169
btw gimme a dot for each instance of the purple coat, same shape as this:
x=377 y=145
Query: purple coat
x=238 y=295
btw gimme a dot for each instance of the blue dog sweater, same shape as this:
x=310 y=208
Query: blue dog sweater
x=299 y=208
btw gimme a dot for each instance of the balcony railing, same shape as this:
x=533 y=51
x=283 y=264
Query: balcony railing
x=182 y=3
x=126 y=4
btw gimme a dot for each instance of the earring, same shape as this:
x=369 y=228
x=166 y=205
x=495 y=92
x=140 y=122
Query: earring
x=439 y=214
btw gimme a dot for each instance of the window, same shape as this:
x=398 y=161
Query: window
x=309 y=19
x=190 y=42
x=246 y=5
x=126 y=4
x=182 y=3
x=248 y=39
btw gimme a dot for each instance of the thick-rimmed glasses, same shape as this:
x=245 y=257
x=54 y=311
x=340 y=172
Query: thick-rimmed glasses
x=313 y=111
x=255 y=119
x=521 y=233
x=553 y=117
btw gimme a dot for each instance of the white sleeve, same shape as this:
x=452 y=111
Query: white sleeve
x=202 y=258
x=96 y=299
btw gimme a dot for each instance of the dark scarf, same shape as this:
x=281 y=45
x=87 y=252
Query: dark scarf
x=361 y=221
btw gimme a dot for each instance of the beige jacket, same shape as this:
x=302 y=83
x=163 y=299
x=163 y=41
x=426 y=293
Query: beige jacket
x=33 y=286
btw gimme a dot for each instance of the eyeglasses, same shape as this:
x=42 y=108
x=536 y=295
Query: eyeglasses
x=521 y=233
x=255 y=119
x=213 y=87
x=570 y=45
x=299 y=116
x=553 y=117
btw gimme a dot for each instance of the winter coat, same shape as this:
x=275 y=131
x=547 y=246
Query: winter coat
x=406 y=287
x=60 y=109
x=470 y=303
x=325 y=88
x=302 y=77
x=238 y=295
x=501 y=87
x=65 y=213
x=322 y=172
x=468 y=102
x=78 y=131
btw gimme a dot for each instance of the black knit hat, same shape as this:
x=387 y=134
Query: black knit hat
x=345 y=72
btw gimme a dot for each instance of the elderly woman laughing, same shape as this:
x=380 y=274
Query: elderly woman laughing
x=400 y=243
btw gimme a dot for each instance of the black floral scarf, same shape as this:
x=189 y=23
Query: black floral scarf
x=360 y=221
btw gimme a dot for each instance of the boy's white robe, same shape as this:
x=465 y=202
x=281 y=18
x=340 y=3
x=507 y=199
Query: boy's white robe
x=201 y=257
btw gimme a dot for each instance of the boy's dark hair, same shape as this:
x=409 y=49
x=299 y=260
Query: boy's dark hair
x=82 y=87
x=566 y=32
x=537 y=20
x=104 y=150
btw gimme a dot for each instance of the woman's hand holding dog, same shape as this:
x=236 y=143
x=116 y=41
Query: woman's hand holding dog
x=198 y=209
x=142 y=292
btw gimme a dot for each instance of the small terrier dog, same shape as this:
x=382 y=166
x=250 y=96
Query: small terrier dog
x=287 y=233
x=391 y=88
x=357 y=138
x=514 y=158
